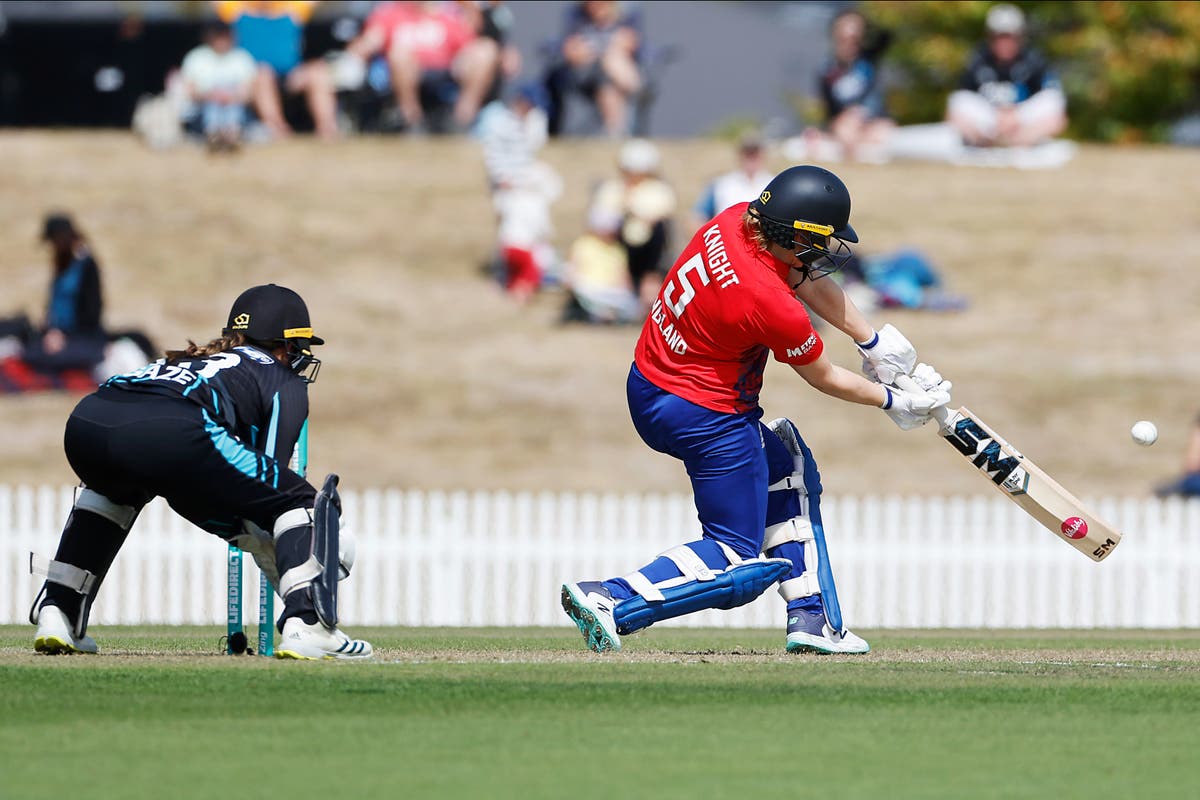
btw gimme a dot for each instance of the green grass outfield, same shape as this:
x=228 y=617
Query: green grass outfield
x=525 y=713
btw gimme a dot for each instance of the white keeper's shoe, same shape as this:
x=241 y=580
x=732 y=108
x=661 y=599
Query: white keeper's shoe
x=590 y=607
x=56 y=637
x=316 y=642
x=809 y=632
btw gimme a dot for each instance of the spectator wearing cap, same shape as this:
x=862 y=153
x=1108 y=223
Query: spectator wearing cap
x=71 y=336
x=1009 y=95
x=645 y=204
x=75 y=304
x=219 y=78
x=737 y=186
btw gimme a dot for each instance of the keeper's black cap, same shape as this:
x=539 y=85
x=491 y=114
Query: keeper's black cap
x=271 y=313
x=57 y=224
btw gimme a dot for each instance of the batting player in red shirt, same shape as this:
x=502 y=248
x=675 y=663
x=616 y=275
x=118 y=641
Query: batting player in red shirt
x=728 y=302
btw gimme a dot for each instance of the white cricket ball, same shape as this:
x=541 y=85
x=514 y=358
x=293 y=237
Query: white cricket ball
x=1144 y=433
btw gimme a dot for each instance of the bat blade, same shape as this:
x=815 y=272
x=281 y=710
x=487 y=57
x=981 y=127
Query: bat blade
x=1022 y=481
x=1027 y=485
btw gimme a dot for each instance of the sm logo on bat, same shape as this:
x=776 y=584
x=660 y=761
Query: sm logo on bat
x=970 y=439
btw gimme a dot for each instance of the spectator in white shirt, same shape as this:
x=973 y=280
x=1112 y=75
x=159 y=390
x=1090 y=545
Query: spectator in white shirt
x=512 y=131
x=523 y=188
x=739 y=186
x=220 y=82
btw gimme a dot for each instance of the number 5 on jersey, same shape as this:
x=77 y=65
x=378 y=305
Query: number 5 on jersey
x=694 y=264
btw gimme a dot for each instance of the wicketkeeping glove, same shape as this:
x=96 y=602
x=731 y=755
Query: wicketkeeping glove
x=887 y=355
x=913 y=409
x=261 y=545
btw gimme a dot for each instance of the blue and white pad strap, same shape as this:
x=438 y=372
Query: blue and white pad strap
x=690 y=565
x=800 y=531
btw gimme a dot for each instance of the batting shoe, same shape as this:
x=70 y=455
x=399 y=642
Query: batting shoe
x=590 y=607
x=55 y=635
x=305 y=642
x=809 y=632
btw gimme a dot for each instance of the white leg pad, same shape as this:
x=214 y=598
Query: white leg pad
x=796 y=529
x=299 y=577
x=121 y=516
x=804 y=586
x=295 y=518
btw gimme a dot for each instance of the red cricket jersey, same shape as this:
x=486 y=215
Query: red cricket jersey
x=724 y=304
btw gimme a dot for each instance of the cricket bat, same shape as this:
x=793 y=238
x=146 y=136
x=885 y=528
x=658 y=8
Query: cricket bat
x=1022 y=481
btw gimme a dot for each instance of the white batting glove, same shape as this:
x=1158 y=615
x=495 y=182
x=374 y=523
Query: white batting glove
x=887 y=355
x=913 y=409
x=932 y=381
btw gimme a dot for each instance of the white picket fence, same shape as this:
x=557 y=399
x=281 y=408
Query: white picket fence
x=498 y=558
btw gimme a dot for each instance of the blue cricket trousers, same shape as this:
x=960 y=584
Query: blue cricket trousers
x=730 y=459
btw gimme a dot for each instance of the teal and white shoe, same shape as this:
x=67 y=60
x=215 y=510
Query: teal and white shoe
x=56 y=636
x=590 y=607
x=809 y=632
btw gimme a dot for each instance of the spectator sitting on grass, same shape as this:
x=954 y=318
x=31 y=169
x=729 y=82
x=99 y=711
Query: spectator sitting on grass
x=1009 y=96
x=645 y=204
x=72 y=336
x=597 y=275
x=220 y=81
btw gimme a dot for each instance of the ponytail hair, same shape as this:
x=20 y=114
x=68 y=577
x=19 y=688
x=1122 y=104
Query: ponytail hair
x=753 y=227
x=224 y=344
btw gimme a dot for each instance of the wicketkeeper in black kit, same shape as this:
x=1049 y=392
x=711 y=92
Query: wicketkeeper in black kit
x=211 y=429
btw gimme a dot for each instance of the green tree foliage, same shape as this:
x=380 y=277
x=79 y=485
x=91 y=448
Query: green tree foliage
x=1129 y=68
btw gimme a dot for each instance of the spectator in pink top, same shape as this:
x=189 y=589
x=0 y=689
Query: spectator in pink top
x=435 y=55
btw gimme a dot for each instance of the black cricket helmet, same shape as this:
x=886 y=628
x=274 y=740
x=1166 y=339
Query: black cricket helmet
x=806 y=209
x=270 y=316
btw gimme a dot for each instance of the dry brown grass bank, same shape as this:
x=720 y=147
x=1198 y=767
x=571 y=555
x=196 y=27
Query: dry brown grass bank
x=1083 y=283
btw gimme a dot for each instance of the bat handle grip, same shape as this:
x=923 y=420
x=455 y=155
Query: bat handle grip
x=940 y=414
